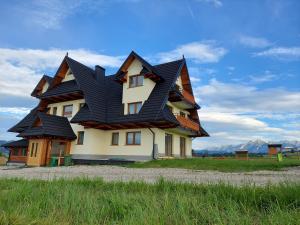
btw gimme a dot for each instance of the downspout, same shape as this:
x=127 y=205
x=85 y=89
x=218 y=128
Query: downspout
x=153 y=144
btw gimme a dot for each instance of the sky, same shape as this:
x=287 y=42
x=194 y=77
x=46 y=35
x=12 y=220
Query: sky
x=243 y=56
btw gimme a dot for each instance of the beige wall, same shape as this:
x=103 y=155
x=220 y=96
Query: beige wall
x=60 y=106
x=98 y=142
x=136 y=94
x=45 y=87
x=179 y=82
x=68 y=76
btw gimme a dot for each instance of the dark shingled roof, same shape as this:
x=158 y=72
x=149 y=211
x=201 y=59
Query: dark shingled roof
x=44 y=78
x=25 y=122
x=147 y=67
x=54 y=126
x=63 y=88
x=18 y=143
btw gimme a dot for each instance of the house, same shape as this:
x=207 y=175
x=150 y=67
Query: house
x=142 y=112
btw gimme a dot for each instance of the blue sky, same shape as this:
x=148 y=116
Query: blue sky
x=243 y=56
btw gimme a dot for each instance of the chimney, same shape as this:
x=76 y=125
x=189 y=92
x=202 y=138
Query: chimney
x=99 y=72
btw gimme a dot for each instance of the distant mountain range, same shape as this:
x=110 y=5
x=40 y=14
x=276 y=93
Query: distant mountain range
x=253 y=147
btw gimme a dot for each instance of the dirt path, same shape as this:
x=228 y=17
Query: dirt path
x=115 y=173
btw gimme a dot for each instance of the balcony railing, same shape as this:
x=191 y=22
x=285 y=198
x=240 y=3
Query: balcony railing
x=185 y=94
x=186 y=122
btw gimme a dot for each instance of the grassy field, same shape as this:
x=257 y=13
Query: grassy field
x=224 y=165
x=97 y=202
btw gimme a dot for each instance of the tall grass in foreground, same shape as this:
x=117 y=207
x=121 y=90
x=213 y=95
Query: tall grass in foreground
x=224 y=165
x=83 y=201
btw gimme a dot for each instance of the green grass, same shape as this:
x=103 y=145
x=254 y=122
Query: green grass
x=97 y=202
x=225 y=165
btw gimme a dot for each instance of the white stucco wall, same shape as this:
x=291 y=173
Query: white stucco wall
x=68 y=76
x=179 y=82
x=98 y=142
x=45 y=87
x=136 y=94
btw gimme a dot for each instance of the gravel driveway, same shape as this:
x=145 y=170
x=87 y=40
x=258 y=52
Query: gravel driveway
x=116 y=173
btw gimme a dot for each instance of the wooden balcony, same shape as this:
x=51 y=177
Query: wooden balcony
x=182 y=98
x=188 y=96
x=187 y=123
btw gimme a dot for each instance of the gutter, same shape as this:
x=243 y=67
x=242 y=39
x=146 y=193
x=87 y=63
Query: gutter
x=153 y=144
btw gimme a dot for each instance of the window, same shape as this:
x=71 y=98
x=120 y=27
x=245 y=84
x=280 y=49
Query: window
x=182 y=114
x=133 y=138
x=48 y=110
x=115 y=138
x=24 y=151
x=54 y=111
x=136 y=81
x=31 y=151
x=36 y=148
x=15 y=152
x=134 y=108
x=67 y=110
x=80 y=137
x=81 y=105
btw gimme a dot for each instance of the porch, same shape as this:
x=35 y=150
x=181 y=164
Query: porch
x=41 y=151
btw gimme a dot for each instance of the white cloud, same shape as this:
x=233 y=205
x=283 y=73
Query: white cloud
x=199 y=52
x=235 y=113
x=229 y=97
x=215 y=3
x=231 y=68
x=254 y=42
x=282 y=53
x=265 y=77
x=50 y=14
x=15 y=110
x=195 y=79
x=20 y=69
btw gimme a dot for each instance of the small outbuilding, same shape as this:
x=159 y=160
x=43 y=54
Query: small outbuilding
x=18 y=150
x=241 y=154
x=273 y=149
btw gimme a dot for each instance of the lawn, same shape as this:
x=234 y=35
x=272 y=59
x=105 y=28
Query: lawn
x=83 y=201
x=224 y=165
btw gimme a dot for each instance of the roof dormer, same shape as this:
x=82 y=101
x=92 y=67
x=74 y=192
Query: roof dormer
x=138 y=79
x=146 y=69
x=42 y=86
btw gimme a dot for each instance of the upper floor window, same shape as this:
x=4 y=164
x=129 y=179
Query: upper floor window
x=54 y=111
x=136 y=81
x=134 y=108
x=80 y=137
x=67 y=110
x=115 y=138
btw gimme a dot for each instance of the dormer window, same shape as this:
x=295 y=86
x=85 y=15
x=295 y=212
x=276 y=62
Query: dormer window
x=134 y=108
x=67 y=110
x=136 y=81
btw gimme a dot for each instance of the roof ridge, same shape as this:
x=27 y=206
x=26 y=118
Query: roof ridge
x=174 y=61
x=67 y=57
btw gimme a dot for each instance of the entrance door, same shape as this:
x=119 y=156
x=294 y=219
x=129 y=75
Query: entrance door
x=182 y=147
x=168 y=144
